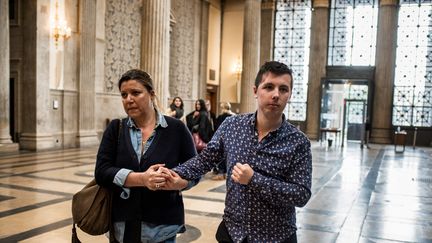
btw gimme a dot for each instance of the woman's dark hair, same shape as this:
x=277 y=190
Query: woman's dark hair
x=172 y=106
x=202 y=104
x=138 y=75
x=274 y=67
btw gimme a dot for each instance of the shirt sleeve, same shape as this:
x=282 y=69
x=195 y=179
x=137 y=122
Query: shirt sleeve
x=120 y=179
x=197 y=166
x=295 y=190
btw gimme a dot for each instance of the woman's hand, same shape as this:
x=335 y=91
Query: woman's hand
x=153 y=179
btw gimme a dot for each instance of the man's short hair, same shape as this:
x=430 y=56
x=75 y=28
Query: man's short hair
x=274 y=67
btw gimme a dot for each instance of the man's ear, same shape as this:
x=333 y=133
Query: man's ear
x=255 y=91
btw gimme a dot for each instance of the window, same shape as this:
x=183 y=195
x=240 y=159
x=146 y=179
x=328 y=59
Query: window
x=291 y=46
x=412 y=98
x=352 y=32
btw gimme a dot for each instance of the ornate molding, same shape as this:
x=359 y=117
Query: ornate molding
x=320 y=3
x=123 y=39
x=388 y=2
x=182 y=48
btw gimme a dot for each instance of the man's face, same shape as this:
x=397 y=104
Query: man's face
x=273 y=93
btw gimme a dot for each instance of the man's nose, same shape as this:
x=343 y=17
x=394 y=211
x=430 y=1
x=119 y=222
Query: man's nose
x=275 y=94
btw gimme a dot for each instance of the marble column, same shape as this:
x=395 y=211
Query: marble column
x=202 y=79
x=87 y=62
x=384 y=72
x=36 y=133
x=155 y=45
x=268 y=8
x=5 y=138
x=251 y=54
x=317 y=64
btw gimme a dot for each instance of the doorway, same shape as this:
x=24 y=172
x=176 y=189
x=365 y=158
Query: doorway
x=344 y=109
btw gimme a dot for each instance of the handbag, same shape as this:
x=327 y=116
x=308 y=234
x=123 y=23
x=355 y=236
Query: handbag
x=91 y=207
x=199 y=143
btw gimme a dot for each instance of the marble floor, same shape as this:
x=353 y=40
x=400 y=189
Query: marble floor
x=359 y=195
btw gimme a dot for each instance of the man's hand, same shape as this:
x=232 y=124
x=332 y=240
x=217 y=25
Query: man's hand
x=242 y=173
x=173 y=181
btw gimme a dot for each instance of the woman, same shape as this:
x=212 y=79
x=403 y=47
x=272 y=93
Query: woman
x=127 y=163
x=176 y=108
x=220 y=170
x=198 y=121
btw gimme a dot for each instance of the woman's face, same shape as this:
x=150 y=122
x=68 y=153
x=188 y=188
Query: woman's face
x=177 y=102
x=197 y=106
x=136 y=99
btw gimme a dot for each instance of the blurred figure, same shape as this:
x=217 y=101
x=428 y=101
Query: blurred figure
x=176 y=108
x=220 y=170
x=211 y=115
x=198 y=122
x=225 y=112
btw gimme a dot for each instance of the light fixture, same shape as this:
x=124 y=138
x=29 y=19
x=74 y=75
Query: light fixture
x=59 y=27
x=238 y=69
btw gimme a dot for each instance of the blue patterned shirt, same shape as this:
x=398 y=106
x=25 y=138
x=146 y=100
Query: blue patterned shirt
x=263 y=210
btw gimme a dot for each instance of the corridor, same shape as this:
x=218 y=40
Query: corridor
x=359 y=195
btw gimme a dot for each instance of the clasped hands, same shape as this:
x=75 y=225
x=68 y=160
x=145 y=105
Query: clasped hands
x=162 y=178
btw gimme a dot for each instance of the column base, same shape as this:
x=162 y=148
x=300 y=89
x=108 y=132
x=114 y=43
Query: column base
x=381 y=136
x=35 y=142
x=87 y=139
x=9 y=147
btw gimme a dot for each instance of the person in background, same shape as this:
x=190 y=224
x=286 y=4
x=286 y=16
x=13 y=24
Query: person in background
x=211 y=114
x=269 y=163
x=128 y=163
x=198 y=121
x=220 y=169
x=176 y=108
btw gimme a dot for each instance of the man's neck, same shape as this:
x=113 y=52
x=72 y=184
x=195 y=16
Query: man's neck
x=266 y=124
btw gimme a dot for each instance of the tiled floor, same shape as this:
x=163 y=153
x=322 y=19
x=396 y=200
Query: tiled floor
x=369 y=195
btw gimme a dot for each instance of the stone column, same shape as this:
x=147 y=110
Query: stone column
x=384 y=72
x=155 y=45
x=35 y=94
x=5 y=138
x=202 y=80
x=87 y=74
x=268 y=8
x=251 y=54
x=317 y=64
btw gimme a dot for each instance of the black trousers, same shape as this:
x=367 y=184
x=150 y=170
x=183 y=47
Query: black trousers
x=222 y=235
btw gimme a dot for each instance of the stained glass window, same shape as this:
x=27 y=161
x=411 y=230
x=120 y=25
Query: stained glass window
x=412 y=97
x=352 y=32
x=291 y=46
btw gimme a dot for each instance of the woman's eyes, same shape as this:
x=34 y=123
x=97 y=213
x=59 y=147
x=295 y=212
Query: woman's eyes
x=133 y=93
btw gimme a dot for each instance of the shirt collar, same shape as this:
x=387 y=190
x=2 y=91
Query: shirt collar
x=253 y=119
x=160 y=121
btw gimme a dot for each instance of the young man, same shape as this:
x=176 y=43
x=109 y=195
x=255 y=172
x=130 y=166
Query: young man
x=269 y=165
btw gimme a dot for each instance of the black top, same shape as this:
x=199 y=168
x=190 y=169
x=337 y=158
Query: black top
x=172 y=146
x=200 y=124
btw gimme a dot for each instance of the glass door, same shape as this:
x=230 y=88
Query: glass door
x=344 y=109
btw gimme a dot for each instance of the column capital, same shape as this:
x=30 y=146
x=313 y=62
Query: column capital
x=320 y=3
x=388 y=2
x=268 y=4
